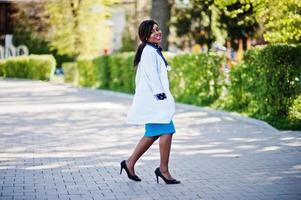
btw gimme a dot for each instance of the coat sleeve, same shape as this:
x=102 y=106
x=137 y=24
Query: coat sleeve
x=151 y=66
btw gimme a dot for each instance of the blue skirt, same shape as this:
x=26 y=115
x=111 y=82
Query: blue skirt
x=154 y=129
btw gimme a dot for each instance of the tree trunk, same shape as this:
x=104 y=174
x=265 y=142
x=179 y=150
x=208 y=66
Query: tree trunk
x=160 y=12
x=75 y=8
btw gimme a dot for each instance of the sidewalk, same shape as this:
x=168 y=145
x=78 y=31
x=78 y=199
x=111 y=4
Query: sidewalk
x=60 y=142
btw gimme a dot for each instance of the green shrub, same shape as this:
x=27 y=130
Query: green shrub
x=265 y=85
x=122 y=72
x=2 y=64
x=88 y=73
x=102 y=63
x=38 y=67
x=198 y=75
x=115 y=72
x=282 y=69
x=93 y=72
x=244 y=80
x=115 y=66
x=267 y=82
x=196 y=78
x=295 y=110
x=70 y=73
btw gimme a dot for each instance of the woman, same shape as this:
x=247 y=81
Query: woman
x=153 y=104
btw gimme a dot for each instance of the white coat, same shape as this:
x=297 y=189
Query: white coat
x=151 y=78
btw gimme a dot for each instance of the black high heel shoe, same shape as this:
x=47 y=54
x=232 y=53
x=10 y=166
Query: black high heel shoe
x=167 y=181
x=123 y=166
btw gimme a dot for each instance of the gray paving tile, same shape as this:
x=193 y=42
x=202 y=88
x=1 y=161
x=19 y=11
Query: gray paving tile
x=59 y=142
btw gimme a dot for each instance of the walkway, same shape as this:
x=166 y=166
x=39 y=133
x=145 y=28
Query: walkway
x=60 y=142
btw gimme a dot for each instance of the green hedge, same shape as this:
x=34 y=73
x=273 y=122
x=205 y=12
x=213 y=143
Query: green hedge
x=266 y=85
x=88 y=73
x=102 y=63
x=196 y=78
x=116 y=72
x=267 y=82
x=39 y=67
x=70 y=73
x=122 y=72
x=2 y=64
x=295 y=110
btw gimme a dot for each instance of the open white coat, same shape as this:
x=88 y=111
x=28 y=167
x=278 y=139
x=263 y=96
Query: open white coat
x=151 y=79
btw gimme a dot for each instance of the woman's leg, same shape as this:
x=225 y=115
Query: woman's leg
x=140 y=149
x=165 y=145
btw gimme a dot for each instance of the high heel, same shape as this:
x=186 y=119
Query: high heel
x=167 y=181
x=130 y=176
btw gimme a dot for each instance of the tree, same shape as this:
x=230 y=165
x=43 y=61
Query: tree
x=77 y=26
x=239 y=19
x=194 y=21
x=282 y=21
x=160 y=12
x=30 y=26
x=135 y=11
x=207 y=21
x=67 y=29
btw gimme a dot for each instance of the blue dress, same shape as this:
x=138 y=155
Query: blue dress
x=154 y=129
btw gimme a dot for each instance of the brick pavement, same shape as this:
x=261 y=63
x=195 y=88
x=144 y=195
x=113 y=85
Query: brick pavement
x=59 y=142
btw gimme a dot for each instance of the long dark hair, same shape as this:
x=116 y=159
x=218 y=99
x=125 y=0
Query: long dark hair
x=144 y=32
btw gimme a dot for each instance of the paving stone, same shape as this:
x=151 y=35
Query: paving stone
x=65 y=143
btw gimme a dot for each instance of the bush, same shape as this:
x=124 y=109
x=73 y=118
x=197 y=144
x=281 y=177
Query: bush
x=122 y=72
x=244 y=79
x=281 y=68
x=2 y=64
x=70 y=73
x=196 y=78
x=295 y=110
x=88 y=73
x=265 y=85
x=93 y=72
x=115 y=72
x=267 y=82
x=38 y=67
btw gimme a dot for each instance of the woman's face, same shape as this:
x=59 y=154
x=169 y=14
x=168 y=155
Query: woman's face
x=156 y=35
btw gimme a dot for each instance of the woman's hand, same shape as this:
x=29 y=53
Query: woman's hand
x=160 y=96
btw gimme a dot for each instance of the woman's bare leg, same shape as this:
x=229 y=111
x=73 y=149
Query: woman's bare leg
x=165 y=145
x=140 y=149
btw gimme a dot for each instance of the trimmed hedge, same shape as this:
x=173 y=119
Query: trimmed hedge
x=102 y=63
x=88 y=73
x=295 y=110
x=116 y=72
x=196 y=78
x=122 y=72
x=2 y=64
x=38 y=67
x=266 y=85
x=267 y=82
x=70 y=73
